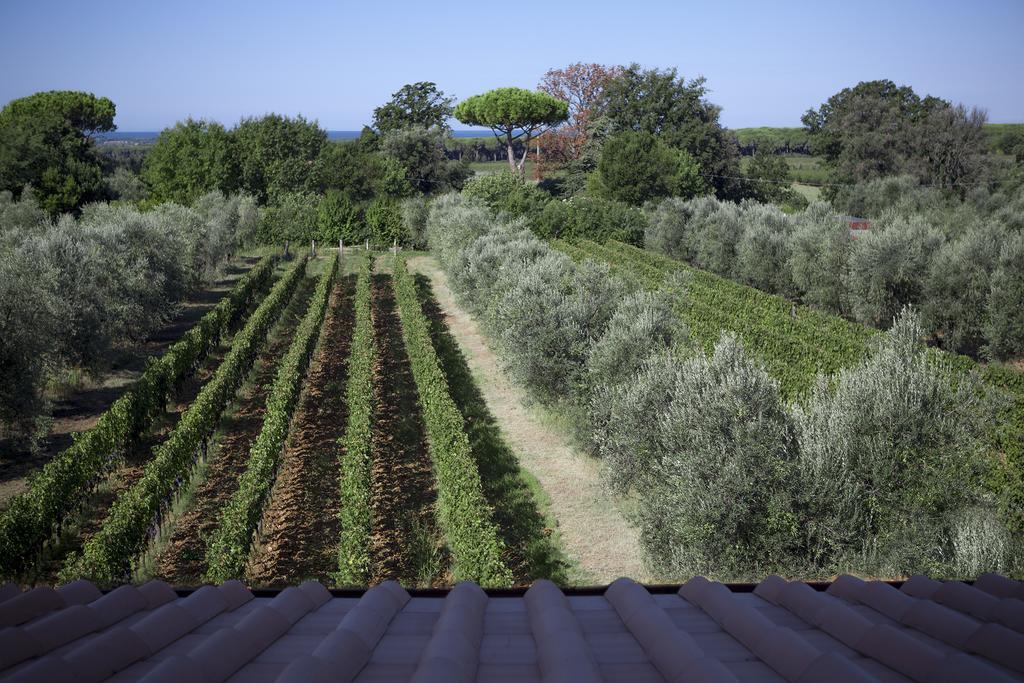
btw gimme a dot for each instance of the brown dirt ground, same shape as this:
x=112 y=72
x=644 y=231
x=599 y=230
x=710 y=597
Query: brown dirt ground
x=79 y=409
x=183 y=560
x=594 y=532
x=300 y=526
x=402 y=490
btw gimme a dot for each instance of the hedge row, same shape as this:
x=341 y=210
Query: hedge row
x=108 y=556
x=229 y=548
x=354 y=548
x=796 y=343
x=61 y=486
x=463 y=512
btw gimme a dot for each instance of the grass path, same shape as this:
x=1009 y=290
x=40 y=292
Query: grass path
x=593 y=531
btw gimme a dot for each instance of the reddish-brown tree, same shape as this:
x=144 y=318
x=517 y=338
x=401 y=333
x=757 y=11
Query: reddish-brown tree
x=581 y=86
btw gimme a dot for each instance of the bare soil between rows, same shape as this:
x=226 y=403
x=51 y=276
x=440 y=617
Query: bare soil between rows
x=403 y=540
x=300 y=526
x=183 y=560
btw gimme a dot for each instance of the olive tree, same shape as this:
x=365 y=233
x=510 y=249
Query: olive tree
x=514 y=115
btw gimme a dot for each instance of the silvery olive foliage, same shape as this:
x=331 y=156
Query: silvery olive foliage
x=74 y=288
x=888 y=268
x=718 y=498
x=922 y=249
x=892 y=455
x=819 y=254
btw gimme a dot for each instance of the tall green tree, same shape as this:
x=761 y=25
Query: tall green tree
x=421 y=151
x=666 y=105
x=416 y=105
x=277 y=153
x=191 y=159
x=46 y=140
x=635 y=166
x=513 y=114
x=877 y=129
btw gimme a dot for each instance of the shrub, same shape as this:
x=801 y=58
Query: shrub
x=507 y=193
x=335 y=215
x=453 y=222
x=888 y=268
x=591 y=218
x=957 y=286
x=414 y=215
x=546 y=317
x=763 y=252
x=891 y=458
x=385 y=223
x=719 y=495
x=819 y=256
x=643 y=325
x=291 y=218
x=626 y=428
x=1005 y=326
x=666 y=231
x=636 y=167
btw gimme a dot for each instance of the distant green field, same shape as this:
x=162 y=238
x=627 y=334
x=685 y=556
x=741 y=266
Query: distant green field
x=803 y=168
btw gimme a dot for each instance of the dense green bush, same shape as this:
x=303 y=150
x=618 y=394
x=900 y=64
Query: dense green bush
x=590 y=218
x=291 y=218
x=643 y=326
x=546 y=316
x=414 y=214
x=636 y=167
x=506 y=192
x=1004 y=328
x=888 y=268
x=385 y=223
x=228 y=549
x=338 y=218
x=764 y=251
x=820 y=248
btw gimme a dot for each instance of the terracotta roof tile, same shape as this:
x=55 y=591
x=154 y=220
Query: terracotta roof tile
x=562 y=652
x=781 y=631
x=1000 y=586
x=8 y=591
x=79 y=592
x=29 y=605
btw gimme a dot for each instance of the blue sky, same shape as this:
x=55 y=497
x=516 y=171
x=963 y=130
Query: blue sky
x=766 y=62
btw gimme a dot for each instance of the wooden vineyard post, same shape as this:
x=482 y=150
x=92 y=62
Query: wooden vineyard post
x=286 y=250
x=367 y=247
x=394 y=247
x=341 y=248
x=312 y=249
